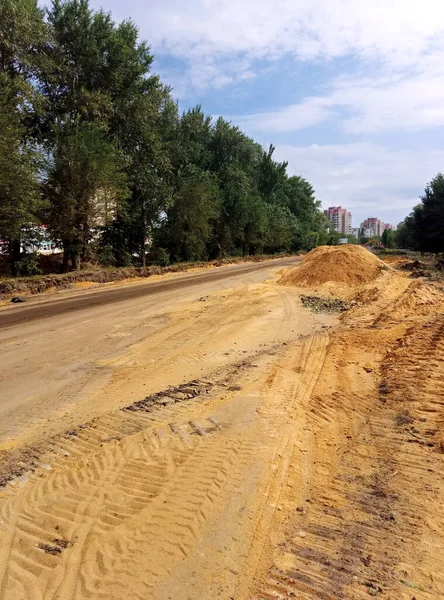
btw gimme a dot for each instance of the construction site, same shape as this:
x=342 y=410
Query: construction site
x=247 y=432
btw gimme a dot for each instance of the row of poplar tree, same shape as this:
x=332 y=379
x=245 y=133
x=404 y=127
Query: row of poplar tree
x=93 y=146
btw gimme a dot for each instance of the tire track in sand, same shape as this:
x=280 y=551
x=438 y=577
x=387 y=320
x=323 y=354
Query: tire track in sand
x=87 y=498
x=293 y=382
x=374 y=523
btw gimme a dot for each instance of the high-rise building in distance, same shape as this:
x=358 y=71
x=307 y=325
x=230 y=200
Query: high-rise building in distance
x=340 y=218
x=373 y=227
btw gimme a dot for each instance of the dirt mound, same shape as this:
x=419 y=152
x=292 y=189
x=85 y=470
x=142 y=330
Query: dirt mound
x=348 y=264
x=418 y=299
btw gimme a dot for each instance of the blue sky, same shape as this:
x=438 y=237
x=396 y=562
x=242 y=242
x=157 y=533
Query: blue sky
x=350 y=92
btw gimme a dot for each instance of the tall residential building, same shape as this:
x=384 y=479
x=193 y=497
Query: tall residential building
x=340 y=218
x=373 y=227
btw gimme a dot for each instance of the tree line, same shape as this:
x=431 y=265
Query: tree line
x=423 y=229
x=93 y=146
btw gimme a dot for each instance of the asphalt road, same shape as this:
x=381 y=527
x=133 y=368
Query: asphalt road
x=20 y=314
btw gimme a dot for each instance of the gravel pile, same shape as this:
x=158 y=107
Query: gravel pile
x=318 y=304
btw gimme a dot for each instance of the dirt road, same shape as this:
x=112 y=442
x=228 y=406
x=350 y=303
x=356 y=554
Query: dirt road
x=225 y=443
x=57 y=350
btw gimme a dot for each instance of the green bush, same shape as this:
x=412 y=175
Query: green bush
x=162 y=257
x=28 y=265
x=106 y=256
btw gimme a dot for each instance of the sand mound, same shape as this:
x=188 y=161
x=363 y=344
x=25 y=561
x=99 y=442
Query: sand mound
x=418 y=299
x=348 y=264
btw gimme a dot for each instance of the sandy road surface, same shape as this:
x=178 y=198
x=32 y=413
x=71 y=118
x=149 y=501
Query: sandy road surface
x=229 y=445
x=55 y=351
x=42 y=308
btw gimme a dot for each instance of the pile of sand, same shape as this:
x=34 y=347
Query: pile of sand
x=349 y=265
x=419 y=299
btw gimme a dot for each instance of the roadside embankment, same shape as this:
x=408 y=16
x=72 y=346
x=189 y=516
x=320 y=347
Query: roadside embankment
x=77 y=279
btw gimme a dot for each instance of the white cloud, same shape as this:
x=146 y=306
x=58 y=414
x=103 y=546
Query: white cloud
x=403 y=101
x=397 y=32
x=397 y=29
x=407 y=102
x=369 y=179
x=290 y=118
x=397 y=44
x=220 y=33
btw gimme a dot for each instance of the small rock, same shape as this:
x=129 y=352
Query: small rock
x=165 y=400
x=191 y=391
x=16 y=300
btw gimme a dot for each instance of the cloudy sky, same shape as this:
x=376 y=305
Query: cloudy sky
x=351 y=92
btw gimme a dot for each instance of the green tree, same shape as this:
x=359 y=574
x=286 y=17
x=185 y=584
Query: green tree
x=388 y=238
x=123 y=169
x=281 y=228
x=429 y=222
x=146 y=138
x=85 y=185
x=423 y=229
x=187 y=226
x=20 y=200
x=410 y=235
x=97 y=72
x=21 y=34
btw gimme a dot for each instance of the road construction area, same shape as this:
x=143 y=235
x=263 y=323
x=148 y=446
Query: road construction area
x=253 y=432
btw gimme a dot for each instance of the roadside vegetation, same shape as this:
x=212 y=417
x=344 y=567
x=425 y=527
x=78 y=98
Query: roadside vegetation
x=423 y=229
x=94 y=148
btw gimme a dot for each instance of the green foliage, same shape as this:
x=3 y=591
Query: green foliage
x=388 y=238
x=21 y=34
x=85 y=185
x=162 y=257
x=28 y=265
x=106 y=256
x=423 y=229
x=125 y=173
x=187 y=228
x=333 y=238
x=352 y=239
x=281 y=228
x=404 y=235
x=429 y=219
x=20 y=201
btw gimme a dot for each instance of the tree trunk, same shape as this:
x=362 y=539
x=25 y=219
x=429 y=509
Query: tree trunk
x=14 y=255
x=143 y=236
x=75 y=258
x=142 y=253
x=65 y=256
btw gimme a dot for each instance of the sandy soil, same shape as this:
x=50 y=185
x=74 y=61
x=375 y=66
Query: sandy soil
x=227 y=443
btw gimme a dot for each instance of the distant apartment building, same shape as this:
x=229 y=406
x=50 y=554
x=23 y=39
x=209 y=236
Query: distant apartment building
x=340 y=218
x=373 y=227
